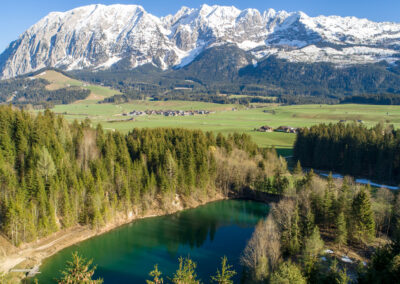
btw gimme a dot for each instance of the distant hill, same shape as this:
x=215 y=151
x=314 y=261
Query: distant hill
x=48 y=87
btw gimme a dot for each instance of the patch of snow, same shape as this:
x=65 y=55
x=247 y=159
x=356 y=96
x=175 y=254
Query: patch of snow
x=328 y=251
x=248 y=45
x=111 y=61
x=188 y=57
x=346 y=259
x=346 y=56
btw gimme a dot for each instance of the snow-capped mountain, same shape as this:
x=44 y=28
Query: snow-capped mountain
x=98 y=37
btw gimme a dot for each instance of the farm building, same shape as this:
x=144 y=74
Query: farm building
x=286 y=129
x=265 y=128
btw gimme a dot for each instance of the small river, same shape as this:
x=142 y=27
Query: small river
x=206 y=233
x=357 y=180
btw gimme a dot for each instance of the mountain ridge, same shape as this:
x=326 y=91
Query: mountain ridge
x=97 y=37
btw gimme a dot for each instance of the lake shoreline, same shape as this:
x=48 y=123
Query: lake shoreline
x=32 y=254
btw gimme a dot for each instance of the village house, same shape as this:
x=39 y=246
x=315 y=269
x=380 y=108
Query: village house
x=286 y=129
x=265 y=128
x=167 y=112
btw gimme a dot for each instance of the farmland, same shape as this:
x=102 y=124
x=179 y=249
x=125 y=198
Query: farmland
x=226 y=120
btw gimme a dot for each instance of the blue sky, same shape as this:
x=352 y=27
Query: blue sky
x=18 y=15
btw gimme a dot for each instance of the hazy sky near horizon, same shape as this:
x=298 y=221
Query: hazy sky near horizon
x=18 y=15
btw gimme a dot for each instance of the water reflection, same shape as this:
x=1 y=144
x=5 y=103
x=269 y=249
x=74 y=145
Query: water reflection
x=206 y=233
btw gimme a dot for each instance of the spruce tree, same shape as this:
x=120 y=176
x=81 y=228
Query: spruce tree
x=312 y=248
x=298 y=170
x=294 y=237
x=186 y=273
x=362 y=216
x=156 y=274
x=225 y=275
x=289 y=273
x=78 y=271
x=341 y=230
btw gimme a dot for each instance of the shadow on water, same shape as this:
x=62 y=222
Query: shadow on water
x=127 y=254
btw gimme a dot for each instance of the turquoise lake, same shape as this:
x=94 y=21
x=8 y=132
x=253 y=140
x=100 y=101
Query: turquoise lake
x=206 y=233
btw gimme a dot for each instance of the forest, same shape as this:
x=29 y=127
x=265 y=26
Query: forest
x=55 y=175
x=290 y=245
x=381 y=99
x=351 y=149
x=23 y=91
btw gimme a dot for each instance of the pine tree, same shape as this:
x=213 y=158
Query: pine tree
x=312 y=248
x=298 y=170
x=68 y=217
x=341 y=230
x=156 y=274
x=327 y=208
x=43 y=205
x=362 y=216
x=294 y=238
x=308 y=223
x=289 y=273
x=225 y=275
x=336 y=275
x=186 y=273
x=78 y=271
x=45 y=164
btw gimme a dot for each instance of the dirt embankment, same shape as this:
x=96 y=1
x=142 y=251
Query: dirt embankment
x=28 y=255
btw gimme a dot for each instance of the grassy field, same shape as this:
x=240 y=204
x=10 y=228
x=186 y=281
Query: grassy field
x=58 y=81
x=225 y=120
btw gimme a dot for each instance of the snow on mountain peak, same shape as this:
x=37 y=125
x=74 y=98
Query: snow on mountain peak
x=98 y=36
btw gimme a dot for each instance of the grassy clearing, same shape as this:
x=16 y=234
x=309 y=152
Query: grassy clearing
x=226 y=121
x=58 y=81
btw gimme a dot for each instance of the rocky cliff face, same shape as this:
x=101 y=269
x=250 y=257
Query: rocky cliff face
x=97 y=37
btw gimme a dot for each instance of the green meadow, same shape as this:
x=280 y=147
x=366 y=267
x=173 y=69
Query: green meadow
x=59 y=81
x=230 y=118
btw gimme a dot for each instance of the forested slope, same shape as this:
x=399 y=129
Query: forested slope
x=22 y=91
x=54 y=175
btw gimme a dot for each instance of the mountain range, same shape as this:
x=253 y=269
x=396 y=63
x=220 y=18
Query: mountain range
x=99 y=37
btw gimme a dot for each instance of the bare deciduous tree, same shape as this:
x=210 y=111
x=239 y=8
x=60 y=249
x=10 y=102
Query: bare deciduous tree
x=263 y=252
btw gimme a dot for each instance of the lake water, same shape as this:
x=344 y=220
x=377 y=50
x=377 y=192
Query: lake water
x=206 y=233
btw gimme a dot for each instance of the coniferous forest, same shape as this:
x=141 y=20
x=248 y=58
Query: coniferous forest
x=55 y=175
x=351 y=149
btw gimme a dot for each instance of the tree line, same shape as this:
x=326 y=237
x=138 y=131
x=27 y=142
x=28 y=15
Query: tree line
x=376 y=99
x=351 y=148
